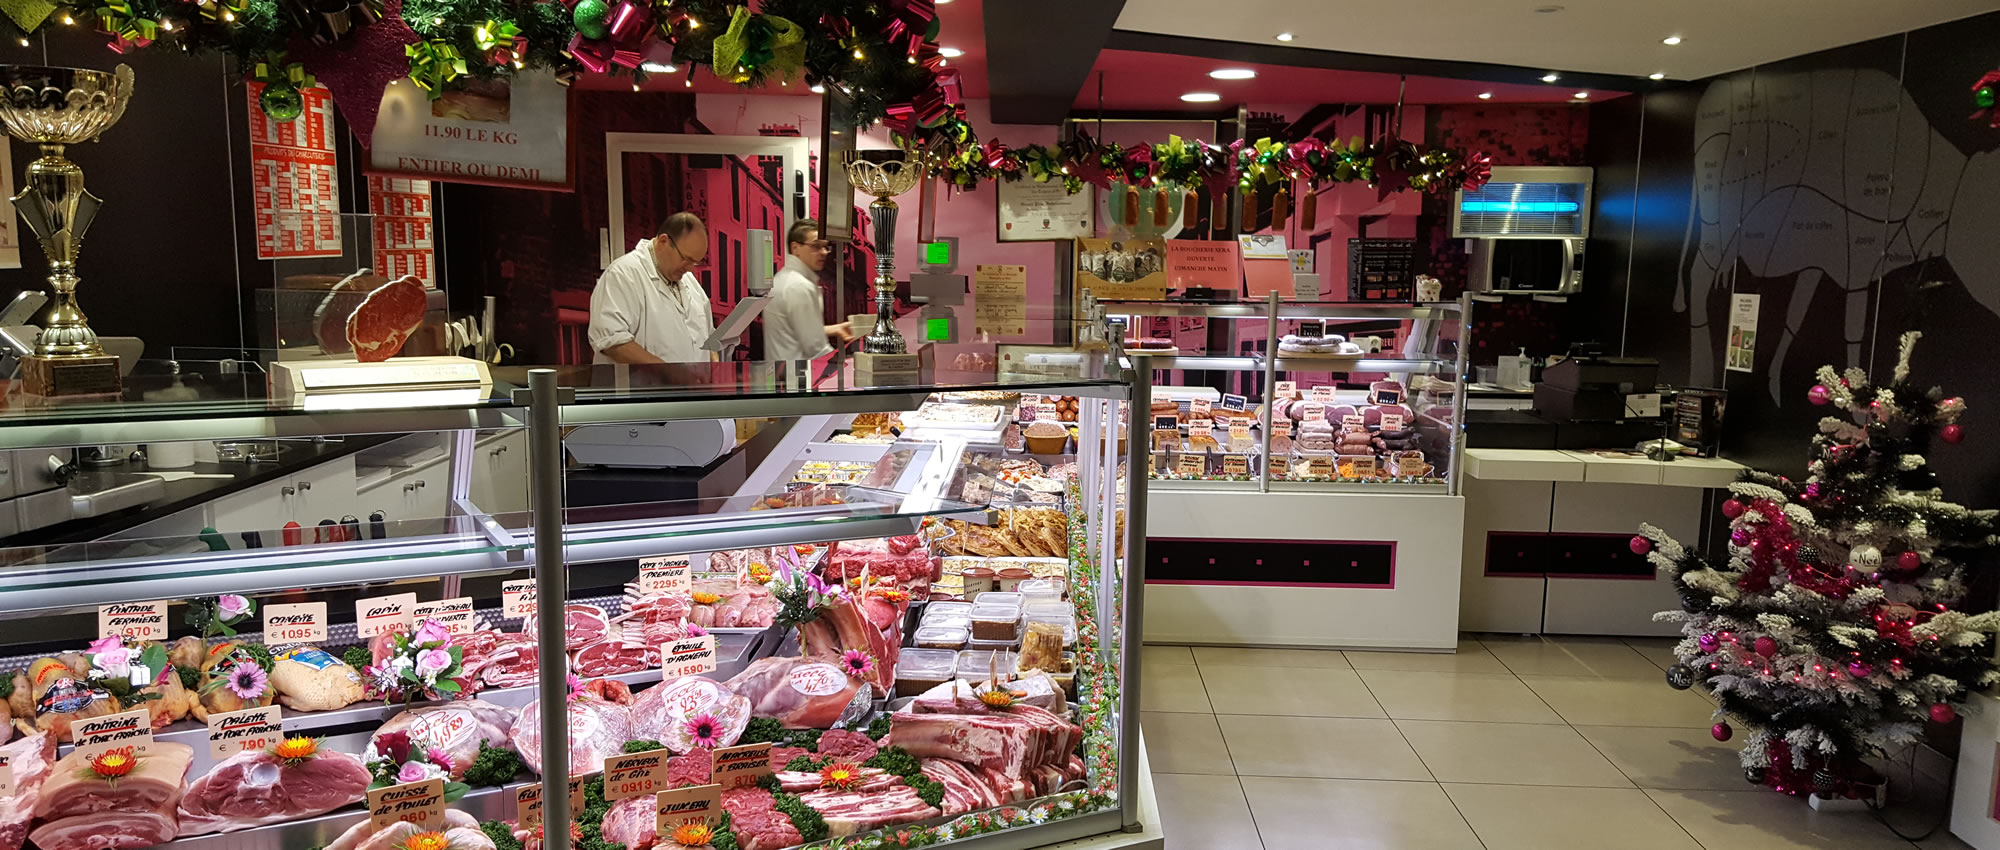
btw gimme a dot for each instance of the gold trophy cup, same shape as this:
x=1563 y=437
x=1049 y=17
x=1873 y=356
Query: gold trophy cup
x=884 y=174
x=53 y=108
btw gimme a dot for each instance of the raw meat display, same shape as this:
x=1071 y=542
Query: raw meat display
x=633 y=822
x=154 y=782
x=457 y=728
x=583 y=625
x=386 y=318
x=849 y=812
x=800 y=693
x=964 y=789
x=108 y=830
x=695 y=768
x=754 y=817
x=721 y=603
x=255 y=787
x=57 y=697
x=1009 y=743
x=476 y=651
x=615 y=655
x=871 y=779
x=330 y=317
x=31 y=758
x=662 y=713
x=847 y=745
x=600 y=722
x=514 y=663
x=905 y=557
x=461 y=832
x=873 y=625
x=309 y=679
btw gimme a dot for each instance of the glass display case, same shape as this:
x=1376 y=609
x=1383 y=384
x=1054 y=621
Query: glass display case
x=1278 y=395
x=788 y=612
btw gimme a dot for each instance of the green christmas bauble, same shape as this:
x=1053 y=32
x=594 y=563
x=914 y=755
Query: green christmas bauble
x=589 y=17
x=281 y=102
x=1983 y=97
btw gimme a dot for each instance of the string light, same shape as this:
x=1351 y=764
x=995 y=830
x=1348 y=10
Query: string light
x=228 y=15
x=68 y=21
x=166 y=25
x=24 y=42
x=694 y=23
x=437 y=22
x=858 y=54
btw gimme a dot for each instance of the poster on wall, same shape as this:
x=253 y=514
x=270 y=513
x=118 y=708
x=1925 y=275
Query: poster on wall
x=294 y=179
x=500 y=132
x=1122 y=269
x=400 y=228
x=1028 y=211
x=1741 y=355
x=999 y=300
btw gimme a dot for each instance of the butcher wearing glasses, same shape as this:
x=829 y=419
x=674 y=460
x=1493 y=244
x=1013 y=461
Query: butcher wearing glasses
x=648 y=307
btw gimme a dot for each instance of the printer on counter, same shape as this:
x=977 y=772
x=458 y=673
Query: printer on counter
x=1599 y=401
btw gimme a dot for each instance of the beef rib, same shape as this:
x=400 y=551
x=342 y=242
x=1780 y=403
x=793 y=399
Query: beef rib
x=386 y=318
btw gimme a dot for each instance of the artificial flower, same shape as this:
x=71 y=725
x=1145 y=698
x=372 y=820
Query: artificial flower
x=575 y=685
x=703 y=597
x=115 y=661
x=104 y=644
x=412 y=771
x=232 y=606
x=840 y=776
x=857 y=663
x=296 y=749
x=439 y=757
x=394 y=745
x=696 y=631
x=704 y=730
x=431 y=631
x=696 y=834
x=247 y=680
x=433 y=661
x=113 y=763
x=425 y=841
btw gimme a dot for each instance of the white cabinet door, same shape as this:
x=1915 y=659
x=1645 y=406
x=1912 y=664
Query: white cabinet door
x=500 y=474
x=324 y=491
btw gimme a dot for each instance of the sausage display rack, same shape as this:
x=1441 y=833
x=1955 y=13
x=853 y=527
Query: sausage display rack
x=76 y=578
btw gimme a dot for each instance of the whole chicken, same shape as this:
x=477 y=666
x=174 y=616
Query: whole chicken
x=59 y=697
x=309 y=679
x=226 y=678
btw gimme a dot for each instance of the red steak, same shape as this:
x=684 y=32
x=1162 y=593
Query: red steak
x=378 y=328
x=330 y=318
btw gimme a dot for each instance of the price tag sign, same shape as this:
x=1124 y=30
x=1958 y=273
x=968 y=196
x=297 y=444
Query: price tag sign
x=1287 y=389
x=1046 y=411
x=687 y=657
x=1235 y=465
x=1352 y=421
x=380 y=615
x=517 y=598
x=455 y=615
x=1167 y=423
x=683 y=806
x=1319 y=467
x=1281 y=427
x=742 y=765
x=1314 y=413
x=576 y=796
x=635 y=774
x=300 y=622
x=1314 y=328
x=1359 y=467
x=419 y=803
x=136 y=620
x=528 y=806
x=6 y=776
x=1322 y=393
x=132 y=729
x=1199 y=408
x=1201 y=423
x=1392 y=422
x=1239 y=435
x=1236 y=403
x=1191 y=464
x=667 y=575
x=250 y=729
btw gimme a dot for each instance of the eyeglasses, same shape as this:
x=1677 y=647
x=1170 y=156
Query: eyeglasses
x=693 y=262
x=816 y=245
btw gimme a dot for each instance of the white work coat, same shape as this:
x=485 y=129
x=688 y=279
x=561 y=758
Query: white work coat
x=794 y=320
x=633 y=303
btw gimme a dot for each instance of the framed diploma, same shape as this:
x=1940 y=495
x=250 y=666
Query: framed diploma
x=1027 y=211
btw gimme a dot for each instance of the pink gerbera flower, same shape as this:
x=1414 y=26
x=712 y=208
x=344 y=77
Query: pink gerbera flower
x=705 y=731
x=857 y=663
x=247 y=680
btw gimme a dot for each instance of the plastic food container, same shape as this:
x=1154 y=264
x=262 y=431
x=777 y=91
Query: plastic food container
x=1009 y=579
x=941 y=637
x=1040 y=590
x=1066 y=621
x=991 y=645
x=977 y=665
x=958 y=620
x=978 y=580
x=998 y=598
x=996 y=622
x=1036 y=610
x=919 y=670
x=937 y=609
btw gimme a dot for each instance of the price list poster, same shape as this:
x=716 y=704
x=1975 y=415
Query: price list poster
x=400 y=221
x=293 y=179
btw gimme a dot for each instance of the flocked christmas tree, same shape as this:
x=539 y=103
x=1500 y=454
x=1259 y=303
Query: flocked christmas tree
x=1833 y=632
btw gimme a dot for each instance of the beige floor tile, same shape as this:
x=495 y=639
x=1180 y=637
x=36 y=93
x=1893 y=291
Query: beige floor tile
x=1245 y=656
x=1764 y=820
x=1669 y=758
x=1300 y=691
x=1345 y=814
x=1509 y=754
x=1322 y=747
x=1456 y=696
x=1471 y=657
x=1607 y=658
x=1163 y=654
x=1622 y=702
x=1185 y=743
x=1660 y=651
x=1515 y=817
x=1204 y=813
x=1172 y=687
x=1943 y=841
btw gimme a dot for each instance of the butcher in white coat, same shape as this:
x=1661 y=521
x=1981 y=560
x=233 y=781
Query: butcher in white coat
x=794 y=323
x=648 y=307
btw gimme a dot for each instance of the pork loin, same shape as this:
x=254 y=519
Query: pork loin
x=600 y=722
x=662 y=712
x=801 y=693
x=32 y=758
x=154 y=785
x=254 y=787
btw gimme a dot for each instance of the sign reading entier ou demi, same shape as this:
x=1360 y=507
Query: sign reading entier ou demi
x=504 y=132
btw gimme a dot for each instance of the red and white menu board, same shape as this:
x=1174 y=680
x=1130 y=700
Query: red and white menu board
x=401 y=228
x=293 y=179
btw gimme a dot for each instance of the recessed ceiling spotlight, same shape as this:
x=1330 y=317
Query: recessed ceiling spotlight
x=1581 y=95
x=1550 y=78
x=1486 y=95
x=1671 y=40
x=1233 y=74
x=950 y=52
x=1284 y=36
x=818 y=89
x=1201 y=97
x=1656 y=76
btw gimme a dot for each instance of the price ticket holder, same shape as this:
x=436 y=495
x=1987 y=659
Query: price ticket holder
x=384 y=382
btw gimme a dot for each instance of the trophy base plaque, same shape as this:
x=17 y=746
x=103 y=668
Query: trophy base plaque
x=88 y=375
x=891 y=369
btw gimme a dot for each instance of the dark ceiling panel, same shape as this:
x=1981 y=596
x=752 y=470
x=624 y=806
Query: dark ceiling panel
x=1278 y=54
x=1039 y=52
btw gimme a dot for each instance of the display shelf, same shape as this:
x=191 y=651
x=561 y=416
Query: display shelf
x=1285 y=310
x=1256 y=363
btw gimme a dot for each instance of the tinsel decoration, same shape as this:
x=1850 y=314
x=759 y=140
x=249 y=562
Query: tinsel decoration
x=358 y=69
x=500 y=42
x=281 y=100
x=433 y=63
x=28 y=15
x=128 y=28
x=1984 y=97
x=626 y=27
x=758 y=47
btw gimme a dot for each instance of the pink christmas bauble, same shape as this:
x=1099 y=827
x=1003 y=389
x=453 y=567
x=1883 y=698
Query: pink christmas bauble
x=1819 y=394
x=1765 y=647
x=1860 y=669
x=1732 y=508
x=1941 y=713
x=1952 y=433
x=1721 y=731
x=1909 y=560
x=1640 y=545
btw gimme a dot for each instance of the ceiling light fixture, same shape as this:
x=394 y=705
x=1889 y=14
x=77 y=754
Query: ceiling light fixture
x=950 y=52
x=1581 y=95
x=1201 y=97
x=1486 y=95
x=1550 y=77
x=657 y=68
x=1232 y=74
x=1284 y=36
x=818 y=89
x=1671 y=40
x=1656 y=76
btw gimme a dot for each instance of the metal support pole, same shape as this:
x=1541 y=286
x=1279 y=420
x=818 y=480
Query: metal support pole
x=1462 y=375
x=1138 y=453
x=551 y=588
x=1270 y=385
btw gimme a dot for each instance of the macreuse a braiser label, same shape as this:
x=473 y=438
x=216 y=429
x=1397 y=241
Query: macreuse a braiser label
x=683 y=806
x=419 y=803
x=742 y=765
x=126 y=729
x=136 y=620
x=668 y=575
x=687 y=657
x=634 y=774
x=250 y=729
x=302 y=622
x=380 y=615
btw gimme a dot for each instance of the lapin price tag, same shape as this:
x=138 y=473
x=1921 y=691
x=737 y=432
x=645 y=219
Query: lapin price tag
x=635 y=774
x=380 y=615
x=419 y=803
x=687 y=657
x=668 y=575
x=232 y=732
x=299 y=622
x=126 y=729
x=742 y=765
x=455 y=615
x=136 y=620
x=517 y=598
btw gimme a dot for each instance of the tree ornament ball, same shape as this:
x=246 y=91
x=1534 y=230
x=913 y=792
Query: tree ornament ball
x=1867 y=557
x=1640 y=545
x=1708 y=642
x=281 y=101
x=1860 y=669
x=1740 y=536
x=1825 y=781
x=1808 y=555
x=1909 y=560
x=1721 y=731
x=1754 y=775
x=1952 y=433
x=1732 y=508
x=1766 y=647
x=1680 y=677
x=1819 y=394
x=589 y=18
x=1942 y=713
x=1984 y=97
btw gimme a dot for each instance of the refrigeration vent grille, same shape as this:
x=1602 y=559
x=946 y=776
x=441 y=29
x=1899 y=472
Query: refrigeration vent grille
x=1524 y=209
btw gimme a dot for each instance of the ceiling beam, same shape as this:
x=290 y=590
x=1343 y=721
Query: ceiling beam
x=1305 y=57
x=1039 y=52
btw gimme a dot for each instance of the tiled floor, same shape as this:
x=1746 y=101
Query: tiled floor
x=1512 y=743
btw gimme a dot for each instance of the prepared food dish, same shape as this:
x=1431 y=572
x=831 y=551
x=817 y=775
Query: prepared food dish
x=949 y=414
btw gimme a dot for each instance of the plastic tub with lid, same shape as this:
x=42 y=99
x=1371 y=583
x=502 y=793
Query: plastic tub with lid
x=919 y=670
